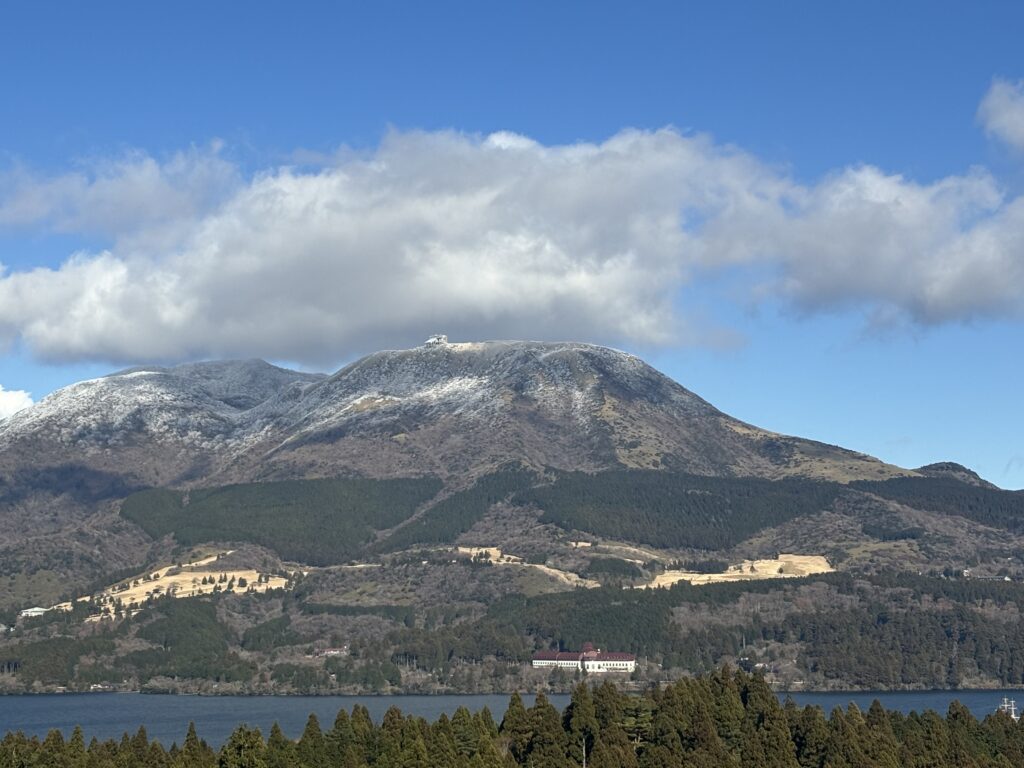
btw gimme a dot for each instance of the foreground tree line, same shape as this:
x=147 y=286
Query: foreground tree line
x=723 y=720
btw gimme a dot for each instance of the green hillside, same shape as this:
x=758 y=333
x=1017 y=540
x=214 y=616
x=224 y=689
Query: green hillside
x=668 y=509
x=319 y=522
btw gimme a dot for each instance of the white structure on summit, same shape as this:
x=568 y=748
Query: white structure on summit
x=436 y=340
x=589 y=659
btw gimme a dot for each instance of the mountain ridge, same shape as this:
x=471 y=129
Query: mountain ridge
x=455 y=410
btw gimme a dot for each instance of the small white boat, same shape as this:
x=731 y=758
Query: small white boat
x=1009 y=706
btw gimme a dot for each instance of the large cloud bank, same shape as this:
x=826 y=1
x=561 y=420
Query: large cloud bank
x=494 y=236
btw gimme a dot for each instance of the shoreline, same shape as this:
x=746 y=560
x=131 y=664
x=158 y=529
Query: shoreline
x=398 y=694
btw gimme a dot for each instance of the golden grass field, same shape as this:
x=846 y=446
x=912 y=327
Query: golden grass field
x=782 y=567
x=185 y=580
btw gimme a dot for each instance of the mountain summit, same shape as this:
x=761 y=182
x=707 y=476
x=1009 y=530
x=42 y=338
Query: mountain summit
x=455 y=410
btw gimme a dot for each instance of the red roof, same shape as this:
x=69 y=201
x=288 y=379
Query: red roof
x=588 y=654
x=556 y=656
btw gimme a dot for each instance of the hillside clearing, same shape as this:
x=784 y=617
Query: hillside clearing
x=784 y=566
x=497 y=557
x=199 y=577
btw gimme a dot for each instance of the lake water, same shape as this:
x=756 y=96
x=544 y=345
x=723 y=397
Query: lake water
x=108 y=715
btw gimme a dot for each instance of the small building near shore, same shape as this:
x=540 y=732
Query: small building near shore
x=587 y=659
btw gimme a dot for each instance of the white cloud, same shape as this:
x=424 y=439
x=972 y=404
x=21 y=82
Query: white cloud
x=119 y=196
x=947 y=251
x=12 y=401
x=495 y=236
x=1002 y=112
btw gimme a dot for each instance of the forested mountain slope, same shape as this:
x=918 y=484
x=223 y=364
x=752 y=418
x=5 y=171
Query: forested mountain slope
x=444 y=506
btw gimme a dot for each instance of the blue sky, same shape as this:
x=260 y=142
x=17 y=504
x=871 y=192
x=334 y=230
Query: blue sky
x=808 y=213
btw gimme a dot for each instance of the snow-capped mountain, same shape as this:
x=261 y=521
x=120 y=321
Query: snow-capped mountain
x=453 y=410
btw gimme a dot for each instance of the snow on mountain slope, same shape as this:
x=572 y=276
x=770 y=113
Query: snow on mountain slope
x=196 y=403
x=454 y=410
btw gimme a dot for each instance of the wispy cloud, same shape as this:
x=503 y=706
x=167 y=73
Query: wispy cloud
x=1002 y=112
x=121 y=195
x=487 y=236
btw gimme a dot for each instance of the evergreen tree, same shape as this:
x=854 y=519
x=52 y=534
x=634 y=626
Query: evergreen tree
x=843 y=748
x=779 y=750
x=124 y=756
x=580 y=724
x=364 y=734
x=389 y=743
x=442 y=745
x=607 y=705
x=664 y=740
x=243 y=749
x=810 y=737
x=882 y=748
x=466 y=732
x=612 y=748
x=751 y=748
x=1006 y=737
x=414 y=752
x=311 y=749
x=638 y=720
x=963 y=737
x=911 y=734
x=659 y=756
x=485 y=724
x=102 y=754
x=342 y=749
x=547 y=743
x=487 y=755
x=51 y=751
x=75 y=755
x=156 y=756
x=194 y=753
x=935 y=740
x=140 y=746
x=280 y=749
x=517 y=728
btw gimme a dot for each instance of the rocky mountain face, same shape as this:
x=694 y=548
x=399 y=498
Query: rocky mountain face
x=451 y=410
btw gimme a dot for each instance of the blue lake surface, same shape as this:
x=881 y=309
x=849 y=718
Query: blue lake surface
x=108 y=715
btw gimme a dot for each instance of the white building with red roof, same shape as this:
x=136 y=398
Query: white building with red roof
x=588 y=659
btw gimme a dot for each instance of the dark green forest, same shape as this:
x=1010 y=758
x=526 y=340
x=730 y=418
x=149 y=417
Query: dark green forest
x=667 y=509
x=446 y=520
x=323 y=522
x=722 y=720
x=885 y=642
x=948 y=496
x=319 y=522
